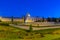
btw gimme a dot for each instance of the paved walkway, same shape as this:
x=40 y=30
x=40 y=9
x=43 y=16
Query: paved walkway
x=34 y=28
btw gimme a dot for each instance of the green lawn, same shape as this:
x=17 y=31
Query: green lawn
x=12 y=33
x=48 y=37
x=8 y=32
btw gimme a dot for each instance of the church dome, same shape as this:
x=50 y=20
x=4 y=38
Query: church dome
x=28 y=15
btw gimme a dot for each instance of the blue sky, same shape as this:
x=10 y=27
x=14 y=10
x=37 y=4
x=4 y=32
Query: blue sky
x=41 y=8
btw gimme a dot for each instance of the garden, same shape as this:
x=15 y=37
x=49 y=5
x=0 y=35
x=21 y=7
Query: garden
x=12 y=33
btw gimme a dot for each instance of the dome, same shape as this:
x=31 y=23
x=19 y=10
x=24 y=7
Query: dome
x=28 y=15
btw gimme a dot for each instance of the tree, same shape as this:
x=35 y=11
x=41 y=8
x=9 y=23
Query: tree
x=43 y=19
x=12 y=19
x=0 y=21
x=30 y=29
x=23 y=17
x=59 y=19
x=49 y=19
x=54 y=19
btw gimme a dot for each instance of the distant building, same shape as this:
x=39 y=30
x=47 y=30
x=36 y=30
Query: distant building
x=29 y=18
x=8 y=19
x=26 y=19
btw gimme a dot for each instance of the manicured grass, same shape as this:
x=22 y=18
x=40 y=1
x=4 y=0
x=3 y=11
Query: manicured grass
x=46 y=30
x=56 y=39
x=50 y=37
x=9 y=32
x=47 y=37
x=13 y=33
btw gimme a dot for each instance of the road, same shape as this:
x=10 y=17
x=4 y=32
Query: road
x=34 y=28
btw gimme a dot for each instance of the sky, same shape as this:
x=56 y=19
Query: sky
x=41 y=8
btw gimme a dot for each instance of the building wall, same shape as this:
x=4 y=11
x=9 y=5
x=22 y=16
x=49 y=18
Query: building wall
x=5 y=19
x=19 y=20
x=9 y=20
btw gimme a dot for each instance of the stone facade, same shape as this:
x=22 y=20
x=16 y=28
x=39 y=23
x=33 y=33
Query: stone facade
x=26 y=19
x=9 y=19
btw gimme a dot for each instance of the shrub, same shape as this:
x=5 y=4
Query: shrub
x=12 y=19
x=57 y=39
x=0 y=21
x=30 y=29
x=42 y=35
x=5 y=24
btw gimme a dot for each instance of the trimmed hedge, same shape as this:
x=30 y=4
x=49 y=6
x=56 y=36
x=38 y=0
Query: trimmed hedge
x=5 y=24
